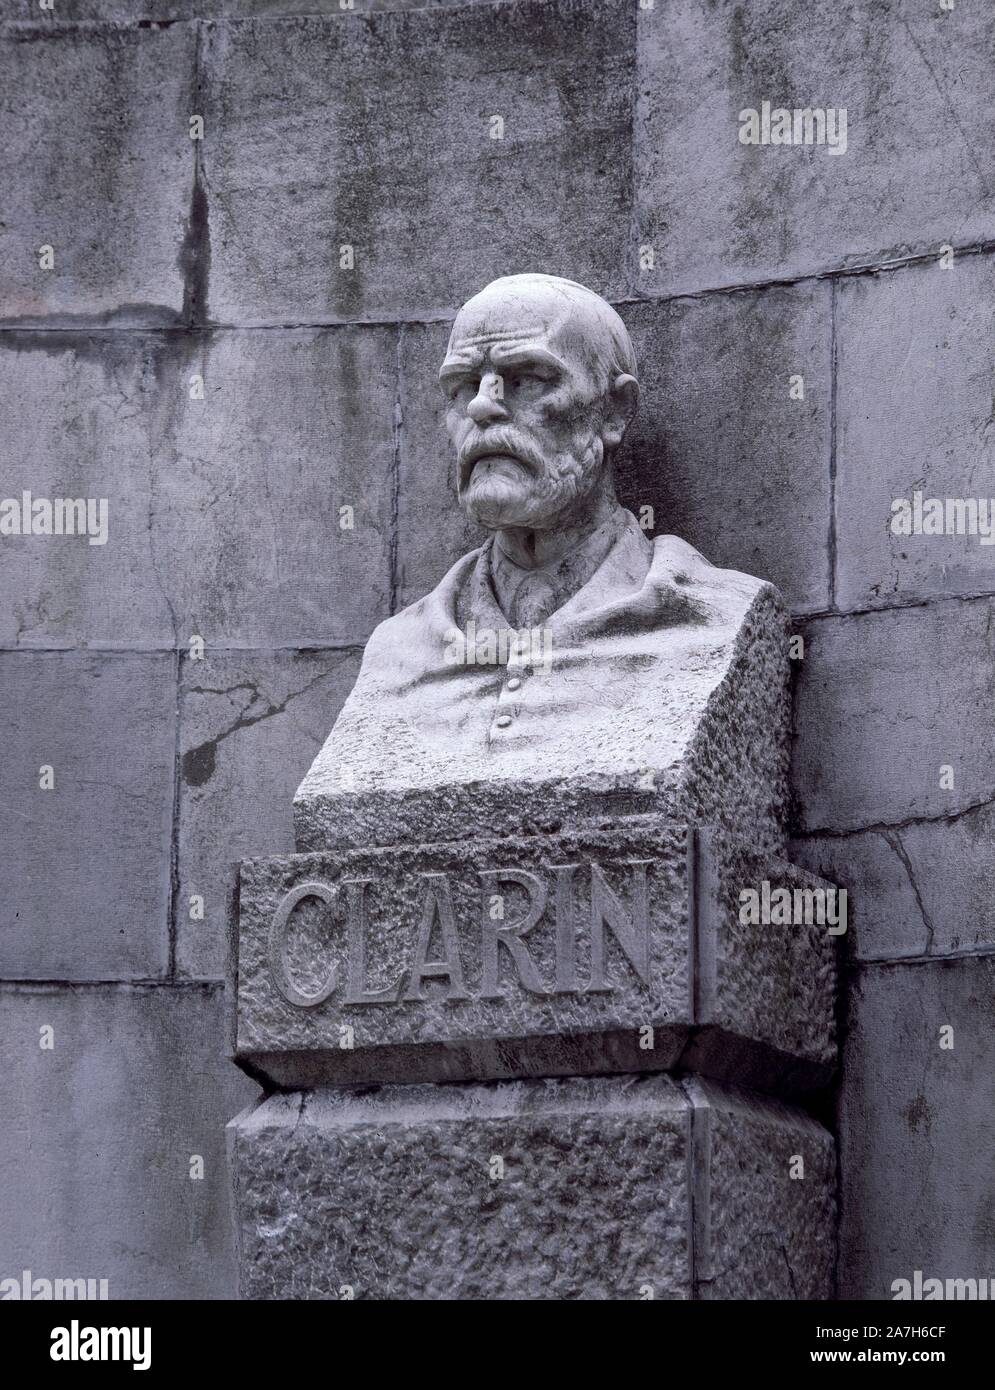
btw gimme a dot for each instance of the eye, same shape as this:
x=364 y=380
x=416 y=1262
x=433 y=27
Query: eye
x=527 y=383
x=463 y=388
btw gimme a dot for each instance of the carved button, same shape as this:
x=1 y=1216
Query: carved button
x=514 y=683
x=503 y=721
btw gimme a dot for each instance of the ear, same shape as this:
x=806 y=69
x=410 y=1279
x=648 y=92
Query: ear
x=623 y=397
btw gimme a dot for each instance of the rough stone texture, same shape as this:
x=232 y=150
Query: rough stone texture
x=98 y=164
x=747 y=1003
x=138 y=10
x=760 y=1233
x=883 y=702
x=915 y=414
x=703 y=729
x=917 y=1127
x=453 y=1029
x=325 y=135
x=250 y=482
x=98 y=1137
x=71 y=908
x=927 y=887
x=390 y=1194
x=769 y=981
x=249 y=723
x=917 y=173
x=718 y=449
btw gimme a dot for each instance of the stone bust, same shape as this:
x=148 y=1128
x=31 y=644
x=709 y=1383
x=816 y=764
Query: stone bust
x=571 y=654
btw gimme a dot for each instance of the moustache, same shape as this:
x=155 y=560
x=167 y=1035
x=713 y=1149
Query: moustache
x=497 y=440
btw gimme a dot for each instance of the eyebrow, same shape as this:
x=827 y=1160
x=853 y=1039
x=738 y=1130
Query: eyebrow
x=471 y=358
x=526 y=355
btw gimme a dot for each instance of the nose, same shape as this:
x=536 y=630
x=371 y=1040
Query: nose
x=487 y=405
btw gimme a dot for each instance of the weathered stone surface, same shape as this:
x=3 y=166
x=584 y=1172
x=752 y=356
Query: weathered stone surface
x=96 y=163
x=922 y=888
x=885 y=701
x=918 y=171
x=138 y=10
x=884 y=885
x=74 y=419
x=86 y=863
x=774 y=982
x=99 y=1132
x=223 y=513
x=759 y=1232
x=914 y=416
x=480 y=959
x=917 y=1126
x=249 y=724
x=251 y=480
x=334 y=140
x=715 y=421
x=719 y=449
x=600 y=1182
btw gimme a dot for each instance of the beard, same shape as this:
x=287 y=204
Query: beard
x=505 y=481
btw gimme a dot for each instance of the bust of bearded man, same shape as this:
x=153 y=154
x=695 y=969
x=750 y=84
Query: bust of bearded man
x=571 y=666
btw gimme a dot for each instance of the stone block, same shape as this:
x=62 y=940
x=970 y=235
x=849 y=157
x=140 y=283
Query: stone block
x=583 y=1188
x=250 y=483
x=74 y=418
x=919 y=166
x=249 y=724
x=917 y=1123
x=882 y=882
x=920 y=888
x=481 y=959
x=97 y=164
x=320 y=137
x=720 y=449
x=86 y=862
x=914 y=417
x=100 y=1130
x=884 y=702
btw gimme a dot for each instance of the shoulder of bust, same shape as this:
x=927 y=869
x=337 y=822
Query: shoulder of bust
x=681 y=562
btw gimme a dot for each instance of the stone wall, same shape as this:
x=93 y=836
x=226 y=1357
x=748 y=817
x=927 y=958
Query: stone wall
x=207 y=355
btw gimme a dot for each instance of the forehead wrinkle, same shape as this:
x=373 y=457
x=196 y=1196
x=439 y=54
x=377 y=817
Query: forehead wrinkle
x=461 y=358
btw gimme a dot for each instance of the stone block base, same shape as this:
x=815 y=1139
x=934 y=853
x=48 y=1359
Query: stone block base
x=572 y=1188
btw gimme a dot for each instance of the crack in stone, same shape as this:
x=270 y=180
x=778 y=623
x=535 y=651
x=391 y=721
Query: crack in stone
x=199 y=763
x=894 y=840
x=884 y=828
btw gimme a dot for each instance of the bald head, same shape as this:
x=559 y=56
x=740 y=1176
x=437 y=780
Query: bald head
x=545 y=308
x=540 y=375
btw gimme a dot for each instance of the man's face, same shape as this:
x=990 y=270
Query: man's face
x=525 y=411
